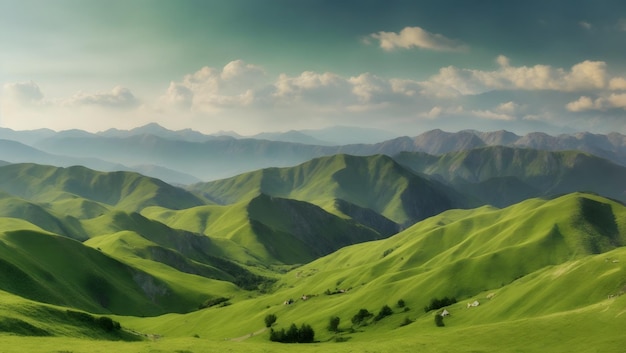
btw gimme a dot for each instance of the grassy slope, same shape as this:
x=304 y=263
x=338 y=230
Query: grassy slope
x=268 y=230
x=58 y=270
x=375 y=182
x=504 y=175
x=124 y=190
x=514 y=253
x=527 y=255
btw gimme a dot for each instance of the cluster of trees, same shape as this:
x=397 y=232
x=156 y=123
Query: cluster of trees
x=304 y=334
x=436 y=303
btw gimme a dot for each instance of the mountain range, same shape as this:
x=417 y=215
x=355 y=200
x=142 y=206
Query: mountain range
x=187 y=156
x=523 y=238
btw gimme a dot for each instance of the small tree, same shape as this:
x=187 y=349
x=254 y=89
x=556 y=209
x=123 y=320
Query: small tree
x=270 y=320
x=384 y=311
x=361 y=316
x=333 y=324
x=439 y=320
x=306 y=334
x=401 y=303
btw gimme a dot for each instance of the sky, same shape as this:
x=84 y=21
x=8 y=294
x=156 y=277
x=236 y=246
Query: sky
x=253 y=66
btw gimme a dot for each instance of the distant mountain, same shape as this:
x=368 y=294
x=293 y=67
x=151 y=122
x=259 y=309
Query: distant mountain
x=376 y=182
x=16 y=152
x=27 y=137
x=157 y=130
x=504 y=175
x=291 y=136
x=185 y=156
x=346 y=135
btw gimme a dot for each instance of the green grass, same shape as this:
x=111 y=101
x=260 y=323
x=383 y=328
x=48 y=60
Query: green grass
x=376 y=182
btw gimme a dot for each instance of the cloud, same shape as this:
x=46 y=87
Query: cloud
x=416 y=37
x=585 y=103
x=451 y=81
x=617 y=84
x=119 y=97
x=209 y=88
x=27 y=93
x=585 y=25
x=508 y=107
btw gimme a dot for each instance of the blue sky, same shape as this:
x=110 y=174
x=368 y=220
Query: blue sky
x=276 y=65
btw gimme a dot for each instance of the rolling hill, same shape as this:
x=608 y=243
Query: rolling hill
x=377 y=183
x=124 y=190
x=503 y=175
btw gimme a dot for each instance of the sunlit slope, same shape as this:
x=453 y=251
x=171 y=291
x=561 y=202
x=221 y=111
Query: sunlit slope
x=269 y=230
x=124 y=190
x=23 y=317
x=376 y=182
x=37 y=214
x=58 y=270
x=537 y=258
x=503 y=175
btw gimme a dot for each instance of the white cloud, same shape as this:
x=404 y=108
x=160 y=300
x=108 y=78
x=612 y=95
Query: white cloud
x=581 y=104
x=416 y=37
x=617 y=84
x=586 y=25
x=119 y=97
x=209 y=88
x=452 y=81
x=491 y=115
x=584 y=103
x=508 y=108
x=23 y=92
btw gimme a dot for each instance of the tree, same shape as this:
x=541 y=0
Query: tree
x=401 y=303
x=439 y=320
x=384 y=311
x=306 y=334
x=270 y=320
x=333 y=324
x=361 y=316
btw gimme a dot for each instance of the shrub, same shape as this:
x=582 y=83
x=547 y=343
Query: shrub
x=107 y=324
x=270 y=320
x=213 y=302
x=333 y=324
x=384 y=312
x=439 y=320
x=401 y=303
x=361 y=316
x=406 y=321
x=439 y=303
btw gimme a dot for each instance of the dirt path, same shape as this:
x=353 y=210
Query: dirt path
x=245 y=337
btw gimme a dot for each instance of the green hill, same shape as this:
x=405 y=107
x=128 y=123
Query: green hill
x=124 y=190
x=269 y=230
x=503 y=176
x=534 y=259
x=377 y=183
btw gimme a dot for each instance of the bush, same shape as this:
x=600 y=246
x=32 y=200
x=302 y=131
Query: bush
x=439 y=320
x=333 y=324
x=361 y=316
x=107 y=324
x=406 y=321
x=304 y=334
x=401 y=303
x=270 y=320
x=439 y=303
x=213 y=302
x=384 y=312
